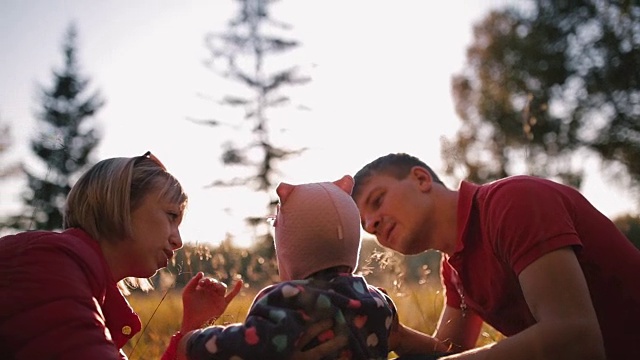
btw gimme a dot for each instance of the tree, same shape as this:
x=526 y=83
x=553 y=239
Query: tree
x=239 y=55
x=630 y=225
x=11 y=169
x=63 y=142
x=547 y=84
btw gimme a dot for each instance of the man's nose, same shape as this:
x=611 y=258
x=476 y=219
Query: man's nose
x=370 y=224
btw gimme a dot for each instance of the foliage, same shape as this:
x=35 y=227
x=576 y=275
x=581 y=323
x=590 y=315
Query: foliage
x=548 y=83
x=258 y=267
x=63 y=142
x=224 y=262
x=630 y=227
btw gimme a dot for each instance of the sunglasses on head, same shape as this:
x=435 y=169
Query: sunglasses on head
x=150 y=156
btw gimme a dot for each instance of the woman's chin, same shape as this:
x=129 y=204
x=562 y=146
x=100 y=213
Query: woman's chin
x=147 y=273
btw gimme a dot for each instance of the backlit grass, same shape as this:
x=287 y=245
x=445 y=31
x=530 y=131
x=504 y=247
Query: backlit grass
x=418 y=307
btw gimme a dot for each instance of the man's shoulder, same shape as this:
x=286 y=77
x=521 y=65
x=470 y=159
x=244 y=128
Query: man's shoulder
x=518 y=186
x=516 y=181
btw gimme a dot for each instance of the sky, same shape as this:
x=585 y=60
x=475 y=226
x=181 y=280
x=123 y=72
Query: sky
x=380 y=83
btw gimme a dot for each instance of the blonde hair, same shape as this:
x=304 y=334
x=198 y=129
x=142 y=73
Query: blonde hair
x=102 y=200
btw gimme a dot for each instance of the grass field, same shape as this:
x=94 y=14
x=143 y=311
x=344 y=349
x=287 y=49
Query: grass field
x=418 y=306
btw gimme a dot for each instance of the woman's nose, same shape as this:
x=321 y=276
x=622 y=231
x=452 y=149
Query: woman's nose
x=176 y=240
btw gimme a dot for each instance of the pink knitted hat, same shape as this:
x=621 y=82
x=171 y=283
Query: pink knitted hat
x=317 y=227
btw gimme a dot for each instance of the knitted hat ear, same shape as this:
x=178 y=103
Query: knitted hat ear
x=317 y=227
x=346 y=183
x=284 y=190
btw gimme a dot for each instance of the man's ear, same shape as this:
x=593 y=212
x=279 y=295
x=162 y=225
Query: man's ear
x=422 y=177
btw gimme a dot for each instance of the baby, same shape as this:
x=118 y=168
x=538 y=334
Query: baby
x=317 y=243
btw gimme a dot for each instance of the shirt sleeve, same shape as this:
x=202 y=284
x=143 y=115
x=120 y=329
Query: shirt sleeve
x=382 y=293
x=49 y=310
x=528 y=219
x=270 y=330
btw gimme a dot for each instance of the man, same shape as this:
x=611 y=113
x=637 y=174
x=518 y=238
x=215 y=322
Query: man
x=532 y=258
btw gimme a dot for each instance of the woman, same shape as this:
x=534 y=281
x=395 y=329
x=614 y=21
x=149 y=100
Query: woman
x=59 y=293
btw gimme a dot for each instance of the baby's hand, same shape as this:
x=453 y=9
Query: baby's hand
x=203 y=299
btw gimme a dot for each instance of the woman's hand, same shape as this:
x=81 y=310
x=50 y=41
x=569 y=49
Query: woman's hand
x=203 y=299
x=326 y=348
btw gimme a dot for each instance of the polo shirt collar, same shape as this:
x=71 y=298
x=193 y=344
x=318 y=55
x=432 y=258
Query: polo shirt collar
x=466 y=194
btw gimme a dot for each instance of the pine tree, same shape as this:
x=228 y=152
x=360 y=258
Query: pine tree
x=240 y=54
x=7 y=169
x=63 y=142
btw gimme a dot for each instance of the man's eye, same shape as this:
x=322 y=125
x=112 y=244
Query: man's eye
x=377 y=201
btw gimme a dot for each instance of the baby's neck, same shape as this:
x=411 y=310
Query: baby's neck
x=331 y=272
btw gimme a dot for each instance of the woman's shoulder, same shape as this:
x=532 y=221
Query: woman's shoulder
x=47 y=253
x=71 y=241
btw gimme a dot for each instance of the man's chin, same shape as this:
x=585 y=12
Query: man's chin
x=412 y=249
x=412 y=252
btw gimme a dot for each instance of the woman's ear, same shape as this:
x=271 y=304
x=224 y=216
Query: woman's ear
x=422 y=177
